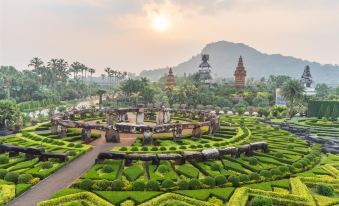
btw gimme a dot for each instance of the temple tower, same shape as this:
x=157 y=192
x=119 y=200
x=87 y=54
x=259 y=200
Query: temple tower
x=205 y=71
x=170 y=82
x=306 y=78
x=240 y=74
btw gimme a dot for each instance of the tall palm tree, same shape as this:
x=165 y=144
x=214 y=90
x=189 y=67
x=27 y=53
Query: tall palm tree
x=75 y=68
x=293 y=94
x=108 y=71
x=36 y=62
x=91 y=71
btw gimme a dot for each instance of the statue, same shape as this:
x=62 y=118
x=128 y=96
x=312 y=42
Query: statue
x=148 y=137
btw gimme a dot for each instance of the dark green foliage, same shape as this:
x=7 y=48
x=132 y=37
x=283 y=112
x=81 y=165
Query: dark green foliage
x=12 y=177
x=168 y=183
x=325 y=190
x=183 y=185
x=283 y=169
x=72 y=153
x=4 y=159
x=117 y=185
x=234 y=180
x=323 y=109
x=86 y=184
x=107 y=169
x=276 y=172
x=254 y=176
x=163 y=169
x=138 y=186
x=279 y=155
x=244 y=178
x=210 y=181
x=46 y=165
x=253 y=161
x=3 y=172
x=194 y=184
x=153 y=185
x=25 y=178
x=261 y=201
x=220 y=180
x=215 y=167
x=265 y=173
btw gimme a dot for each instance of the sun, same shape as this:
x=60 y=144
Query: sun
x=160 y=23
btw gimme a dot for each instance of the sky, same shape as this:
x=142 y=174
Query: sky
x=133 y=35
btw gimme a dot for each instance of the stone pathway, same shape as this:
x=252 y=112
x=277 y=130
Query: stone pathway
x=69 y=173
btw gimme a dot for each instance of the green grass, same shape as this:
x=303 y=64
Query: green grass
x=116 y=197
x=133 y=172
x=188 y=171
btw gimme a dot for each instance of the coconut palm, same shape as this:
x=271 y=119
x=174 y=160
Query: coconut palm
x=75 y=68
x=36 y=62
x=292 y=92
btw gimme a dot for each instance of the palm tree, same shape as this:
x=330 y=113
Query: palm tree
x=100 y=92
x=91 y=71
x=36 y=62
x=75 y=68
x=108 y=71
x=292 y=92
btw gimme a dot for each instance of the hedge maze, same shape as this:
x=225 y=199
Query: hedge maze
x=290 y=172
x=30 y=156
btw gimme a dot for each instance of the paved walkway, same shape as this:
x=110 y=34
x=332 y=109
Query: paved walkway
x=69 y=173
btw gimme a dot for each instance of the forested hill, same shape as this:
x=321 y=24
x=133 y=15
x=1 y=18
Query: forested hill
x=224 y=56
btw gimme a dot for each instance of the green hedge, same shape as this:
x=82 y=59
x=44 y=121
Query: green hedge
x=329 y=109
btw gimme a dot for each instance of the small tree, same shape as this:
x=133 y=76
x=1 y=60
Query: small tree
x=9 y=113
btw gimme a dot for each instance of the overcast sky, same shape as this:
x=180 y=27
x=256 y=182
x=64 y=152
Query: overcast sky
x=120 y=34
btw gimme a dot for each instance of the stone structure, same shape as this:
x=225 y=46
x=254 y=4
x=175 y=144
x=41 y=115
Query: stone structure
x=180 y=158
x=205 y=71
x=240 y=74
x=170 y=82
x=148 y=137
x=140 y=116
x=112 y=135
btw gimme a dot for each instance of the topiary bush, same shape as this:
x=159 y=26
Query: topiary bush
x=244 y=178
x=234 y=180
x=325 y=190
x=72 y=153
x=3 y=172
x=209 y=181
x=25 y=178
x=183 y=185
x=265 y=173
x=163 y=169
x=261 y=201
x=107 y=169
x=117 y=185
x=46 y=165
x=279 y=155
x=138 y=186
x=220 y=180
x=153 y=185
x=86 y=184
x=194 y=184
x=215 y=167
x=254 y=176
x=4 y=159
x=168 y=183
x=12 y=177
x=253 y=161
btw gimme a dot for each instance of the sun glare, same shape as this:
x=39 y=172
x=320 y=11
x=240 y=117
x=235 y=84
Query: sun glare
x=160 y=22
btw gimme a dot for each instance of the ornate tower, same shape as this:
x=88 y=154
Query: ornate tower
x=240 y=74
x=205 y=71
x=170 y=82
x=306 y=78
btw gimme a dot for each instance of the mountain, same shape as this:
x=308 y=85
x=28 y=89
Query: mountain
x=224 y=57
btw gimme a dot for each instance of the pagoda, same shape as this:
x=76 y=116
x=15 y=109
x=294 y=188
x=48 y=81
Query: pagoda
x=205 y=71
x=306 y=78
x=170 y=82
x=240 y=74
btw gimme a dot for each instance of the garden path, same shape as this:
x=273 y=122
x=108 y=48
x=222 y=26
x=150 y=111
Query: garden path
x=69 y=173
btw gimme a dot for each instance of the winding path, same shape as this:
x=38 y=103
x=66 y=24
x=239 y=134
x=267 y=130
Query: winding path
x=69 y=173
